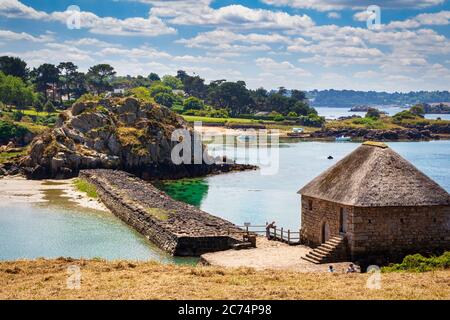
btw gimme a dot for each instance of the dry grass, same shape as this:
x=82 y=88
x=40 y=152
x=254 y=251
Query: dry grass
x=129 y=136
x=46 y=279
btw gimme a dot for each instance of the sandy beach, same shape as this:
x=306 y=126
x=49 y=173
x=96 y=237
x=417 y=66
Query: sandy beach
x=269 y=255
x=16 y=189
x=209 y=131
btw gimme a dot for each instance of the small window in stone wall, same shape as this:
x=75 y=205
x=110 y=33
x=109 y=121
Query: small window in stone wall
x=310 y=204
x=370 y=221
x=401 y=220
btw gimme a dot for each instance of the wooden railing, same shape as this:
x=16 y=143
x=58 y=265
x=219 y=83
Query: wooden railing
x=272 y=233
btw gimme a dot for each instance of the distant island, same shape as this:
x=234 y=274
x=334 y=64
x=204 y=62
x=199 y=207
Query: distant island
x=350 y=98
x=437 y=108
x=364 y=108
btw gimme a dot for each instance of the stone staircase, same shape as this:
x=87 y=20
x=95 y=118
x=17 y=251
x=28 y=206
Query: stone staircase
x=334 y=250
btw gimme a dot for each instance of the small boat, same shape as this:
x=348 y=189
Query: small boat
x=343 y=139
x=297 y=130
x=246 y=138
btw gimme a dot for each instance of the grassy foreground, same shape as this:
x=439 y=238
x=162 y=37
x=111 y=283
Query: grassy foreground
x=46 y=279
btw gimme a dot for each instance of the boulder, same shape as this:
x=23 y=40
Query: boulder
x=115 y=133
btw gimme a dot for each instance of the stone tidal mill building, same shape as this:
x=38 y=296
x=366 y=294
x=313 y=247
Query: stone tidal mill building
x=374 y=206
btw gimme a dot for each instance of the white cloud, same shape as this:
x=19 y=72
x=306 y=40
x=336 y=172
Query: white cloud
x=425 y=19
x=15 y=9
x=23 y=36
x=90 y=42
x=227 y=41
x=200 y=13
x=362 y=15
x=334 y=15
x=151 y=26
x=285 y=67
x=327 y=5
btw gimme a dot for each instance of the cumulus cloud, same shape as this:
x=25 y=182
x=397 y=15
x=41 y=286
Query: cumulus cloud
x=327 y=5
x=200 y=13
x=231 y=42
x=285 y=67
x=151 y=26
x=424 y=19
x=363 y=15
x=23 y=36
x=334 y=15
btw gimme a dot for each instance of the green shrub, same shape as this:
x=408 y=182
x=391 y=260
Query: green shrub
x=419 y=263
x=89 y=97
x=193 y=103
x=404 y=115
x=312 y=120
x=278 y=117
x=9 y=130
x=16 y=115
x=165 y=99
x=373 y=113
x=157 y=88
x=141 y=93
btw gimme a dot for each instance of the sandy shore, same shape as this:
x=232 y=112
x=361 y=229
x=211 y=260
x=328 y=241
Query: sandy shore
x=270 y=255
x=223 y=131
x=20 y=190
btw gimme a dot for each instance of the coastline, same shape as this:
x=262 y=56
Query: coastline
x=318 y=135
x=19 y=190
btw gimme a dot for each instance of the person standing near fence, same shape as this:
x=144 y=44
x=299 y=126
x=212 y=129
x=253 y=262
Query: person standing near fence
x=268 y=227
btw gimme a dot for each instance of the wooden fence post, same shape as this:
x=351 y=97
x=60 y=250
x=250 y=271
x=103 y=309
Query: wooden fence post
x=289 y=236
x=281 y=234
x=275 y=233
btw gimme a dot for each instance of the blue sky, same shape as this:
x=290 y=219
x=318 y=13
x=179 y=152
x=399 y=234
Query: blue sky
x=303 y=44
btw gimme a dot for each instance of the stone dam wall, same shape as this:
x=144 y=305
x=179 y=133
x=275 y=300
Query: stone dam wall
x=176 y=227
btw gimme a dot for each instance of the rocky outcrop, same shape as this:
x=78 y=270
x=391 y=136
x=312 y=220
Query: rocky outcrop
x=115 y=133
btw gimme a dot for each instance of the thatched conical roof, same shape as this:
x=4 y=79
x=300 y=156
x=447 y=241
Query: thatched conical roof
x=376 y=176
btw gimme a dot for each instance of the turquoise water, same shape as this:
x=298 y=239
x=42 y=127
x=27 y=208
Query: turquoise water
x=63 y=229
x=251 y=197
x=33 y=231
x=334 y=113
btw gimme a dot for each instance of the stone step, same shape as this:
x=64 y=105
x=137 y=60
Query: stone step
x=334 y=241
x=314 y=258
x=318 y=255
x=330 y=251
x=328 y=246
x=306 y=258
x=324 y=250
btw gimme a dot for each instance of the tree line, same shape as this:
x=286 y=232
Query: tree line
x=61 y=84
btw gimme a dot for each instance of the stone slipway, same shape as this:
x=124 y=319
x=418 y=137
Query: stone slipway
x=176 y=227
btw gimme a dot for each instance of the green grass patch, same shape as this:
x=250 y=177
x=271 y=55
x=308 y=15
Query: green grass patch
x=159 y=213
x=419 y=263
x=6 y=156
x=384 y=123
x=33 y=112
x=86 y=187
x=32 y=127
